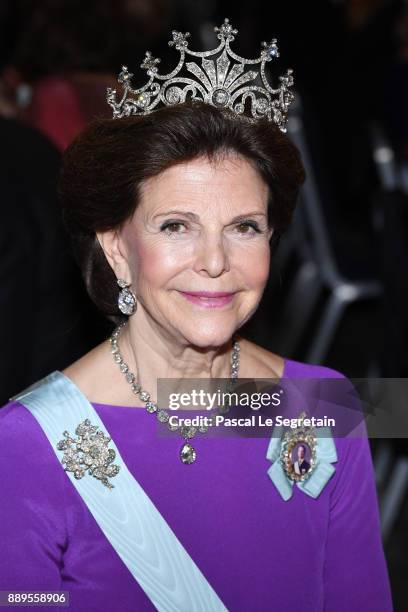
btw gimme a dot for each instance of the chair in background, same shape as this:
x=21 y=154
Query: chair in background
x=319 y=268
x=391 y=457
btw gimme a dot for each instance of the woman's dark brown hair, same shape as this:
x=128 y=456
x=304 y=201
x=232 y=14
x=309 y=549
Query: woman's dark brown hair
x=104 y=167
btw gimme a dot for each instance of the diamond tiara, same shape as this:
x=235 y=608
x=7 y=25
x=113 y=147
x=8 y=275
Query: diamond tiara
x=218 y=82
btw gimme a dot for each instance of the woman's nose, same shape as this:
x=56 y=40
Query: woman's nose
x=211 y=255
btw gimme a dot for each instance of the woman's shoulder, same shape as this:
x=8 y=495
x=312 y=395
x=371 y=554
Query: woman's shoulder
x=301 y=369
x=259 y=362
x=17 y=425
x=13 y=418
x=19 y=420
x=25 y=450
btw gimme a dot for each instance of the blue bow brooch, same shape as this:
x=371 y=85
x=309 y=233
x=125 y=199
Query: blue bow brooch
x=301 y=457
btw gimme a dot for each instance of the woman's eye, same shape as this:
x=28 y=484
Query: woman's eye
x=170 y=227
x=252 y=225
x=247 y=228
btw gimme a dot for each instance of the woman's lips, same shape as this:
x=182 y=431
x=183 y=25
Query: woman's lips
x=209 y=299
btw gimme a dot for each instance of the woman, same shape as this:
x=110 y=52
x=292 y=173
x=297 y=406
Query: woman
x=179 y=208
x=190 y=203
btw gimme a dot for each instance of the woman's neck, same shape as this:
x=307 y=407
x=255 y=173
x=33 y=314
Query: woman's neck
x=151 y=357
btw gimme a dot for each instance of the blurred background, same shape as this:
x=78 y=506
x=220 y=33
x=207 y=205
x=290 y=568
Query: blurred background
x=338 y=288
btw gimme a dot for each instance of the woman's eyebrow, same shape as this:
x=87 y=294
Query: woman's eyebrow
x=196 y=217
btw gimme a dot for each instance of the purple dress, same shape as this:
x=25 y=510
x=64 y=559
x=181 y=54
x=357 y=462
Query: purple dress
x=257 y=551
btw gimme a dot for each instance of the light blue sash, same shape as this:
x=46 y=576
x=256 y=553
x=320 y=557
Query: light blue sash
x=127 y=516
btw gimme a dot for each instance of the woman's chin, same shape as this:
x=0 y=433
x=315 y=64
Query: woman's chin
x=211 y=338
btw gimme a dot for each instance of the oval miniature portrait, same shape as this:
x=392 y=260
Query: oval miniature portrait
x=301 y=458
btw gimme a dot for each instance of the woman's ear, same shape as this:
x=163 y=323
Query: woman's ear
x=112 y=245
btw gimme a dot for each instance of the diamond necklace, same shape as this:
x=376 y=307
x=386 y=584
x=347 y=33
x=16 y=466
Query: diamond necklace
x=188 y=453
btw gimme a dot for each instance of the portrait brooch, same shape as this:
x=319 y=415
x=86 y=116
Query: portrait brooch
x=301 y=457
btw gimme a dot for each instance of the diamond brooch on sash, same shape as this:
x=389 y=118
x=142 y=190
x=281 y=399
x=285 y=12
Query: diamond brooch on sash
x=88 y=453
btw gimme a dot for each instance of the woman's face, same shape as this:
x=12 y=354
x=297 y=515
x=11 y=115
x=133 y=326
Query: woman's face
x=200 y=226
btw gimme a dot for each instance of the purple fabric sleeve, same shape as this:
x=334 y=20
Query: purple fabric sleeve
x=32 y=528
x=355 y=571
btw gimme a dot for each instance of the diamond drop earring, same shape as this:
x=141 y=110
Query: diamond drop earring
x=126 y=298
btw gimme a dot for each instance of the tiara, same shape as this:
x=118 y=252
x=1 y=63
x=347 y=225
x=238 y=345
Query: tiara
x=221 y=81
